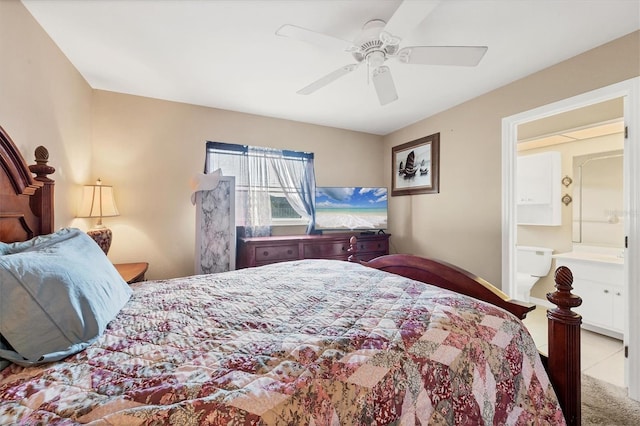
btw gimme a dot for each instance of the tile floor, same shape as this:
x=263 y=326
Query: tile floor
x=602 y=357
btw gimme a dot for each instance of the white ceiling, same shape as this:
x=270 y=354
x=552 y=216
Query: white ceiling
x=225 y=54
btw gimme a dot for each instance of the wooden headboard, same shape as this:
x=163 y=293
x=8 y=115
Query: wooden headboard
x=26 y=202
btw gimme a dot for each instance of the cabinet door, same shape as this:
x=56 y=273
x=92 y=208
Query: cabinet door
x=597 y=303
x=538 y=189
x=534 y=179
x=619 y=308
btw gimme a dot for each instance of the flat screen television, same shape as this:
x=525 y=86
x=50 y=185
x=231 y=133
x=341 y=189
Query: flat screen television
x=351 y=208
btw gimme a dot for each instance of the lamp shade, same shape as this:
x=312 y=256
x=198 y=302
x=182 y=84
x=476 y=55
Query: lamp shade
x=97 y=201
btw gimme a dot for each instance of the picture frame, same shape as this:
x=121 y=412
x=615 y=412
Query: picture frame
x=415 y=166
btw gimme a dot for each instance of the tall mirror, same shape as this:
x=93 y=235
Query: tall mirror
x=598 y=199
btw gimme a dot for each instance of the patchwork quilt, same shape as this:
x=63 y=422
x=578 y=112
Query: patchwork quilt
x=313 y=342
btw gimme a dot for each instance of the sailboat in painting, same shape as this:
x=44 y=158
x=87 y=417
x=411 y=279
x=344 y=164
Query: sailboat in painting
x=424 y=169
x=409 y=170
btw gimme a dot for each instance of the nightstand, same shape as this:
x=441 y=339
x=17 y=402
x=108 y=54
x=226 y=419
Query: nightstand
x=132 y=272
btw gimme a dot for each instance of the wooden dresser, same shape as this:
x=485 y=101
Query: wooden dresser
x=264 y=250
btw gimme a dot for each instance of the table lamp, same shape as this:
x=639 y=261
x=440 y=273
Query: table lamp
x=97 y=201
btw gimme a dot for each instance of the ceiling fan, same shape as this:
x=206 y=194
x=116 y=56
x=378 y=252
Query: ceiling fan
x=378 y=42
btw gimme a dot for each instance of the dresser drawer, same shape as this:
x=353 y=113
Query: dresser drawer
x=326 y=250
x=277 y=253
x=381 y=246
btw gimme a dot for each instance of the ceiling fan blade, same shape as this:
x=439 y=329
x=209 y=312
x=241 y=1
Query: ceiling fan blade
x=408 y=15
x=329 y=78
x=383 y=82
x=313 y=37
x=465 y=56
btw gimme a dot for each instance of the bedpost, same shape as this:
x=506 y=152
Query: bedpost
x=353 y=249
x=564 y=346
x=42 y=202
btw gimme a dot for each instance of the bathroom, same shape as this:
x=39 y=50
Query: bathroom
x=584 y=223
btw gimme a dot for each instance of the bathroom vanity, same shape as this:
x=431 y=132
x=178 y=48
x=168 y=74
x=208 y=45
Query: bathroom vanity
x=598 y=277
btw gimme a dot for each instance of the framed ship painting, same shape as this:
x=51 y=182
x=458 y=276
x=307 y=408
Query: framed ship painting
x=415 y=166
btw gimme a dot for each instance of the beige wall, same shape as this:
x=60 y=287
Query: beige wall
x=462 y=224
x=148 y=149
x=44 y=101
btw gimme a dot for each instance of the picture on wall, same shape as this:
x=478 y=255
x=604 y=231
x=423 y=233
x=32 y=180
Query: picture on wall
x=415 y=166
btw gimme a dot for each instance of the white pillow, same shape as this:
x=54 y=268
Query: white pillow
x=57 y=294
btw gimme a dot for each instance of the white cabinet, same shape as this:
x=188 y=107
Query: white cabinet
x=538 y=189
x=600 y=284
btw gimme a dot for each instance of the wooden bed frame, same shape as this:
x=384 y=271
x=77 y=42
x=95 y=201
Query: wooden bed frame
x=26 y=210
x=26 y=203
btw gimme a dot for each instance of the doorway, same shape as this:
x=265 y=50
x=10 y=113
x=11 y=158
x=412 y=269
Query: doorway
x=629 y=92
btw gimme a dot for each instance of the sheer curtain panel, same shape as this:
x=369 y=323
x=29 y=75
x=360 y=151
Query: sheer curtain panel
x=262 y=173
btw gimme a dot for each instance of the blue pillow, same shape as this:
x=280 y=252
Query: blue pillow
x=11 y=248
x=57 y=295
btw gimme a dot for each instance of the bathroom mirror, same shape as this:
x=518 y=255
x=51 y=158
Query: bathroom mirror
x=598 y=199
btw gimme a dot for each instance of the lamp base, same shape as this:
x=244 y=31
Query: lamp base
x=102 y=236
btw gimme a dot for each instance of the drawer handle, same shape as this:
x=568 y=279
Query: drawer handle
x=606 y=291
x=265 y=253
x=289 y=251
x=618 y=294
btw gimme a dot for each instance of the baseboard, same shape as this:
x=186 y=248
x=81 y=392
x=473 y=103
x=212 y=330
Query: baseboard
x=595 y=329
x=611 y=333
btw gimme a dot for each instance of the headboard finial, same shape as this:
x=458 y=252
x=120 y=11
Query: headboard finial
x=41 y=169
x=42 y=155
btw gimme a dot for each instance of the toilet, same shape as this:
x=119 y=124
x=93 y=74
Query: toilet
x=532 y=264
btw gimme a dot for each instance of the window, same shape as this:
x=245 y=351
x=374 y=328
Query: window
x=282 y=210
x=273 y=187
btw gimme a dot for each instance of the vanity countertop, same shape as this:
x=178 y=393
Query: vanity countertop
x=594 y=254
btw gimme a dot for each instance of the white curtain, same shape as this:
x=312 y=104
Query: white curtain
x=259 y=170
x=257 y=205
x=297 y=179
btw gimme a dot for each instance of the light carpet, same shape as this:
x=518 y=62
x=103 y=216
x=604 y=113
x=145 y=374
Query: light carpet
x=607 y=404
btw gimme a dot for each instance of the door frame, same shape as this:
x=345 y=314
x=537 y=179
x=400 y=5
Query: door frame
x=629 y=90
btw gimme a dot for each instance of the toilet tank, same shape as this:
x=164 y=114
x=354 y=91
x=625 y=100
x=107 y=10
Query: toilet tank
x=534 y=261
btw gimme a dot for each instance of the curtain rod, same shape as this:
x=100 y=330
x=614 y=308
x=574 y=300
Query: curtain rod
x=244 y=149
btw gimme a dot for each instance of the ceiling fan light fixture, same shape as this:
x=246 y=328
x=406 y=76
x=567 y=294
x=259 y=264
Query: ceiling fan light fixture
x=376 y=59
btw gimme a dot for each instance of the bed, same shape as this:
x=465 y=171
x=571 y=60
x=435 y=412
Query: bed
x=305 y=342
